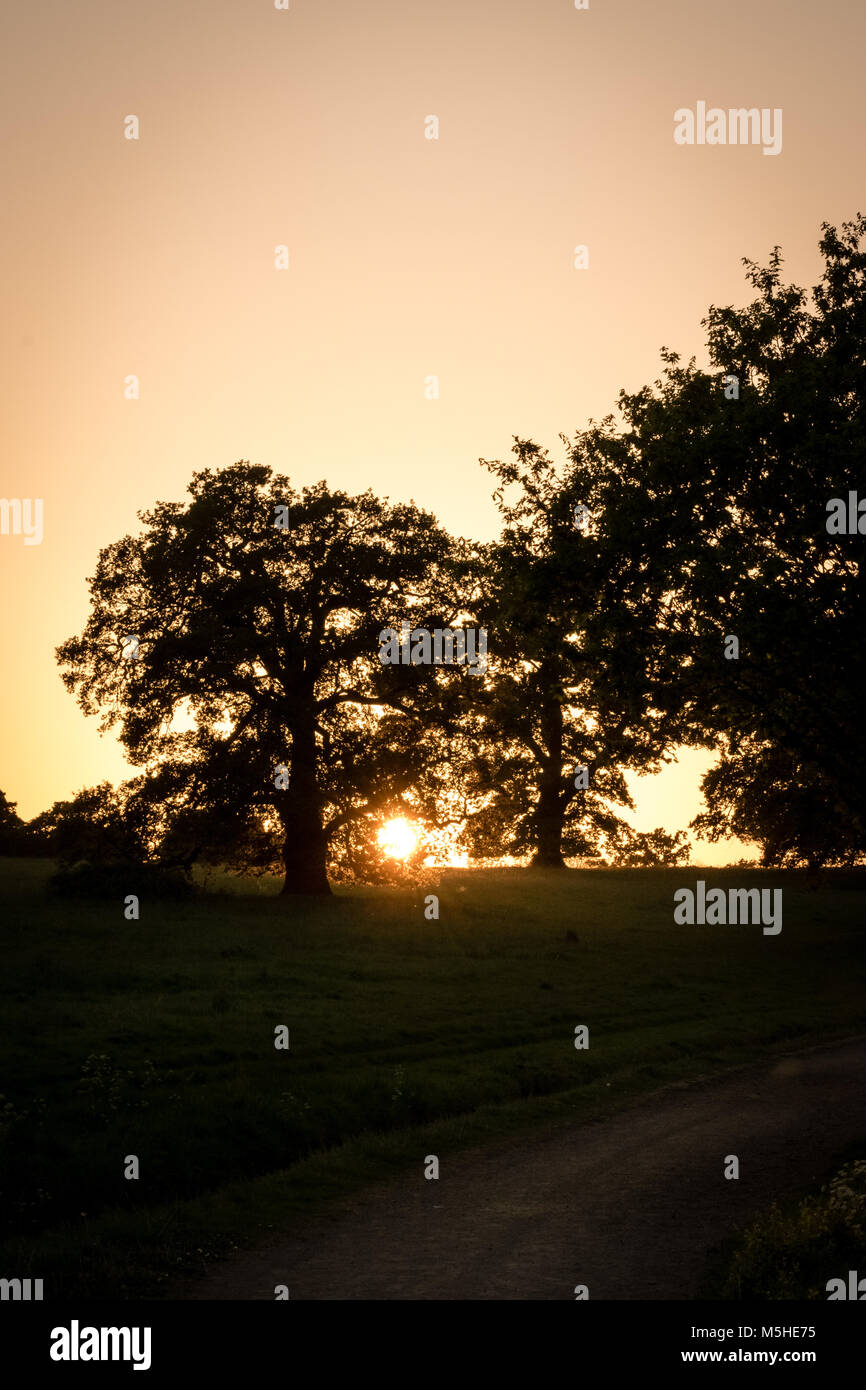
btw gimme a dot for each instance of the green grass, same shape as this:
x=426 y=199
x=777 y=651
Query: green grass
x=156 y=1038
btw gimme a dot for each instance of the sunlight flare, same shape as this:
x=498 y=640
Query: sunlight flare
x=398 y=838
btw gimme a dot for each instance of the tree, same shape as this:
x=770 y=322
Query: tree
x=764 y=793
x=235 y=643
x=572 y=698
x=719 y=481
x=95 y=826
x=12 y=828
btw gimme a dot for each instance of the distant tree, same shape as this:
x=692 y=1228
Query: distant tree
x=94 y=826
x=253 y=694
x=790 y=808
x=654 y=849
x=717 y=483
x=12 y=828
x=572 y=699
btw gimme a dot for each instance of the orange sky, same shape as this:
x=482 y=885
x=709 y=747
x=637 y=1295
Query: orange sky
x=408 y=257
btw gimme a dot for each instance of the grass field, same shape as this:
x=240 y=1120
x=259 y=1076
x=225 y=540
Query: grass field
x=408 y=1036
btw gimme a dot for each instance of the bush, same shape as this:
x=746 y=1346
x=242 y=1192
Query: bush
x=118 y=880
x=791 y=1253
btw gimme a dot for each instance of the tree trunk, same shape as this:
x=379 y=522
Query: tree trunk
x=305 y=846
x=548 y=823
x=550 y=813
x=304 y=855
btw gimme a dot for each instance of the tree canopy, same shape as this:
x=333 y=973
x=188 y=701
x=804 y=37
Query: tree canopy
x=718 y=481
x=572 y=702
x=691 y=574
x=239 y=658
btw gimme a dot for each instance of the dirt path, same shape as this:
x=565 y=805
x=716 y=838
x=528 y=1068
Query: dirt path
x=628 y=1205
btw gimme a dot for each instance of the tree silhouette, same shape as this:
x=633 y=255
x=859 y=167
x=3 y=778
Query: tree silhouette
x=717 y=482
x=573 y=681
x=239 y=657
x=12 y=827
x=94 y=826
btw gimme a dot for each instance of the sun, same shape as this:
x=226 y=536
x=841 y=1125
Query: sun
x=398 y=838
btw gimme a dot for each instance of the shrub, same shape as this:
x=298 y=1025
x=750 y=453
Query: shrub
x=103 y=881
x=792 y=1252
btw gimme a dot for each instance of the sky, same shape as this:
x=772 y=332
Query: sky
x=408 y=258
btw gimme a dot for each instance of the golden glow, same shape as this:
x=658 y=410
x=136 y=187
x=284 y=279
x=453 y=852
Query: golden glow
x=398 y=838
x=455 y=860
x=166 y=266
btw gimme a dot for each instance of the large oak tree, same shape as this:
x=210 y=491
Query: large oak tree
x=717 y=480
x=575 y=695
x=252 y=694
